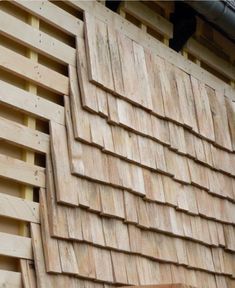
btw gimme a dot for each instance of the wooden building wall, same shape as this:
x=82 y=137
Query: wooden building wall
x=117 y=154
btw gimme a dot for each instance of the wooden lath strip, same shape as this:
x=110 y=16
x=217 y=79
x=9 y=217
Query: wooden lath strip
x=21 y=171
x=53 y=15
x=17 y=208
x=149 y=17
x=29 y=103
x=37 y=73
x=23 y=136
x=10 y=279
x=15 y=246
x=36 y=39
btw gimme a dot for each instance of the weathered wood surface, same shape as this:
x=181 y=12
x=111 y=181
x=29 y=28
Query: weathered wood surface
x=140 y=183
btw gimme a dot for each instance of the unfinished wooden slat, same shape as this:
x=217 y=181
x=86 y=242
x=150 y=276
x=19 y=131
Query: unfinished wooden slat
x=36 y=39
x=79 y=117
x=20 y=171
x=125 y=46
x=155 y=84
x=204 y=117
x=230 y=105
x=50 y=245
x=148 y=17
x=103 y=264
x=39 y=74
x=67 y=258
x=160 y=130
x=10 y=279
x=53 y=15
x=23 y=136
x=118 y=260
x=88 y=90
x=29 y=103
x=28 y=273
x=17 y=208
x=220 y=120
x=98 y=53
x=85 y=260
x=65 y=183
x=169 y=91
x=42 y=277
x=186 y=100
x=115 y=61
x=143 y=86
x=15 y=246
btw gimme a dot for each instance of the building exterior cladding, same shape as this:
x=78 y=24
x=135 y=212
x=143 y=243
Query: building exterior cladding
x=138 y=186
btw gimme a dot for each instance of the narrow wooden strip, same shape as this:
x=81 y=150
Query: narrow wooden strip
x=15 y=246
x=43 y=279
x=88 y=90
x=66 y=188
x=36 y=39
x=149 y=17
x=20 y=171
x=37 y=73
x=9 y=279
x=17 y=208
x=29 y=103
x=50 y=245
x=28 y=273
x=53 y=15
x=207 y=56
x=23 y=136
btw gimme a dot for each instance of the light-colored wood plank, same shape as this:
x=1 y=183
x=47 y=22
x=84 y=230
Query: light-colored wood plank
x=36 y=39
x=207 y=56
x=37 y=73
x=66 y=188
x=96 y=35
x=203 y=112
x=53 y=15
x=15 y=246
x=29 y=103
x=149 y=17
x=23 y=136
x=43 y=279
x=21 y=171
x=88 y=90
x=17 y=208
x=10 y=279
x=230 y=105
x=220 y=119
x=50 y=245
x=28 y=273
x=115 y=61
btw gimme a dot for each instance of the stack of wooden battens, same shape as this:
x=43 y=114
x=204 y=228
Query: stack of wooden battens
x=137 y=170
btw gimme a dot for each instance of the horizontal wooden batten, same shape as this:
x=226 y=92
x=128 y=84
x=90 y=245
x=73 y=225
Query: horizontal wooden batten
x=10 y=279
x=23 y=136
x=20 y=209
x=15 y=246
x=31 y=71
x=53 y=15
x=36 y=39
x=204 y=54
x=30 y=103
x=21 y=171
x=149 y=17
